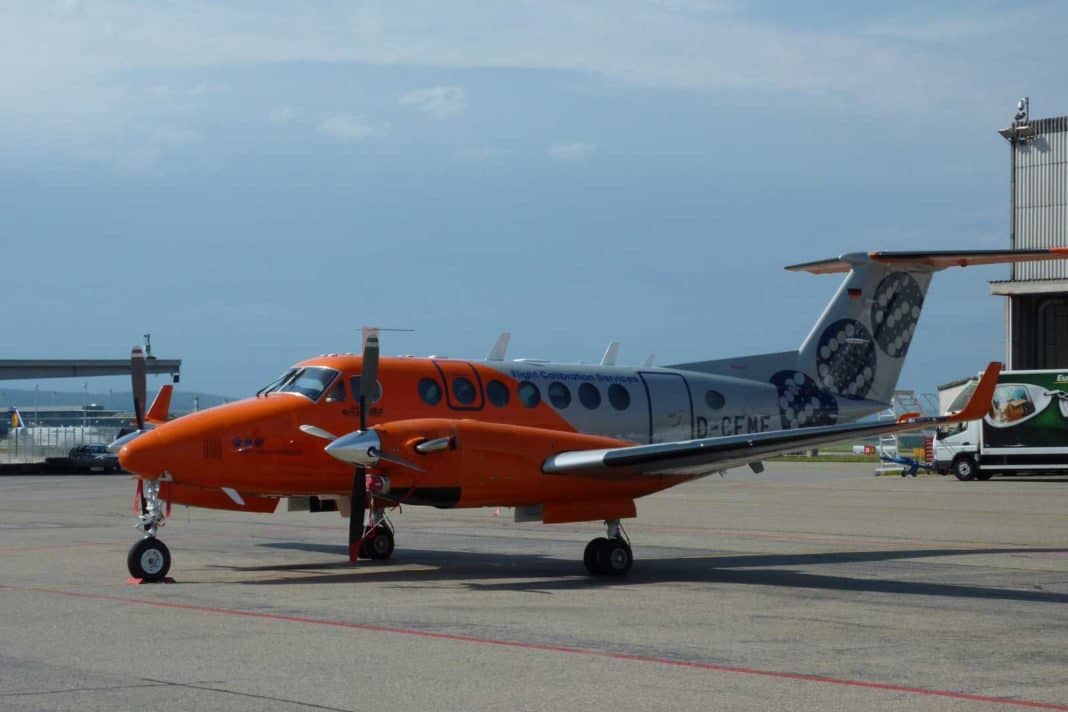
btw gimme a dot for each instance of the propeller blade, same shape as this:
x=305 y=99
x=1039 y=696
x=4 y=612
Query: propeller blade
x=359 y=505
x=139 y=384
x=368 y=377
x=317 y=432
x=399 y=461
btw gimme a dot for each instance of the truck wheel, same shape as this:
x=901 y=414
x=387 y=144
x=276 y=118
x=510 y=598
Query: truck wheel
x=964 y=468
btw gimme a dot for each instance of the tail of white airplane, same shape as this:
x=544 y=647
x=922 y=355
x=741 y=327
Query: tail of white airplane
x=850 y=362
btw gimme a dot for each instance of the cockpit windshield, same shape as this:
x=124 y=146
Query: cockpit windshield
x=277 y=383
x=310 y=381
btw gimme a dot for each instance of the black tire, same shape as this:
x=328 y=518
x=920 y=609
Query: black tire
x=380 y=544
x=149 y=560
x=589 y=557
x=965 y=469
x=614 y=558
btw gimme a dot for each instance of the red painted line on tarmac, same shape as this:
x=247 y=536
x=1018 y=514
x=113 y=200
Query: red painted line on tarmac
x=546 y=647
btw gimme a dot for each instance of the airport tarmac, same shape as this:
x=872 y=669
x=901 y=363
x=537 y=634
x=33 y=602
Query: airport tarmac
x=806 y=587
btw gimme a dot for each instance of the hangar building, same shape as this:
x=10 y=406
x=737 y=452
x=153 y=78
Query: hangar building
x=1036 y=295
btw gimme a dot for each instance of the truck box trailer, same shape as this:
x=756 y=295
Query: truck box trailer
x=1025 y=432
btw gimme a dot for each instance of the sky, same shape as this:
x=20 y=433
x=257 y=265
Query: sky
x=252 y=182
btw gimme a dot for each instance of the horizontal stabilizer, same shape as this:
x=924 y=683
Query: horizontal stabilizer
x=936 y=260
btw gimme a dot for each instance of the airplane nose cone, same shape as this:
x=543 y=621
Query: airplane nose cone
x=141 y=457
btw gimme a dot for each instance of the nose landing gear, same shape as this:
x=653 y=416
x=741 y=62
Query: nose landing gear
x=149 y=560
x=611 y=555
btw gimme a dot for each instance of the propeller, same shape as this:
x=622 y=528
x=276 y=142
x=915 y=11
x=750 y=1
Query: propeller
x=139 y=388
x=361 y=448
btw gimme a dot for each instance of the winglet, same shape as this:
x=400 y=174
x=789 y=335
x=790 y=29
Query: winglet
x=610 y=354
x=500 y=348
x=161 y=406
x=979 y=403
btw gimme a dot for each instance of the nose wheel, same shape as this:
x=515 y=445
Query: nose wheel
x=149 y=559
x=611 y=555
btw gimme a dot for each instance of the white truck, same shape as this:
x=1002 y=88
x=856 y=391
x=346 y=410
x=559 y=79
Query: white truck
x=1025 y=432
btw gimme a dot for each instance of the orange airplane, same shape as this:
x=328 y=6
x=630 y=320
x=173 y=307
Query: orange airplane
x=558 y=442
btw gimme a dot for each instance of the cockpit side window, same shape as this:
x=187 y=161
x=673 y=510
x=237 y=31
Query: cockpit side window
x=310 y=382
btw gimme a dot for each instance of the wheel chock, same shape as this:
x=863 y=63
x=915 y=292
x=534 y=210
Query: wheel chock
x=141 y=582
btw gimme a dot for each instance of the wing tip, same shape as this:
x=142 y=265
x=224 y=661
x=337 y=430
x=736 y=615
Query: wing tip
x=979 y=404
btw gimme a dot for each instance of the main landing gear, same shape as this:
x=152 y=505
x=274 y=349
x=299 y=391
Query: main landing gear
x=377 y=542
x=149 y=559
x=609 y=555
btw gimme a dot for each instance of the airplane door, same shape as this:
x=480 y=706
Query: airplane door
x=463 y=386
x=670 y=407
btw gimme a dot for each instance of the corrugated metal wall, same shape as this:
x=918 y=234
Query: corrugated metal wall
x=1042 y=197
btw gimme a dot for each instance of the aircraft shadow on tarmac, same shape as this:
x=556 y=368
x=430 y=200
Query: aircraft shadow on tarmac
x=535 y=572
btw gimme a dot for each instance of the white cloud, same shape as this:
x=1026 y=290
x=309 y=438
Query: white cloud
x=281 y=115
x=349 y=128
x=571 y=152
x=66 y=90
x=439 y=102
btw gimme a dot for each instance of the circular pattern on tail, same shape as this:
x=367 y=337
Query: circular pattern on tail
x=845 y=359
x=895 y=311
x=801 y=402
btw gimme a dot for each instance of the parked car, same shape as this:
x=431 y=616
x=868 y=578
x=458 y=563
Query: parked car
x=93 y=457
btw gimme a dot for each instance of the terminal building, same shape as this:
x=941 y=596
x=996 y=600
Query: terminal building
x=1036 y=294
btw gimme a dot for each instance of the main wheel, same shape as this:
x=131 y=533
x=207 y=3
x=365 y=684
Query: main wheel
x=589 y=557
x=614 y=558
x=964 y=468
x=379 y=545
x=149 y=560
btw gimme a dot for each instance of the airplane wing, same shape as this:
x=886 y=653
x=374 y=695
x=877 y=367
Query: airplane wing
x=708 y=455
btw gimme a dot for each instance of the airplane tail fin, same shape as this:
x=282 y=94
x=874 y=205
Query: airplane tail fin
x=849 y=363
x=857 y=347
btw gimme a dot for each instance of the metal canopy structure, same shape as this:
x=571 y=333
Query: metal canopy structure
x=16 y=369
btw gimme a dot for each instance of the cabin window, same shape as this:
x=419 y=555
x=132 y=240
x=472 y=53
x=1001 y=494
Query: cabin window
x=589 y=396
x=529 y=395
x=559 y=395
x=354 y=383
x=714 y=399
x=497 y=393
x=430 y=391
x=618 y=396
x=337 y=393
x=464 y=390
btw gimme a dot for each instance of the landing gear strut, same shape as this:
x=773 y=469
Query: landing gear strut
x=610 y=555
x=149 y=559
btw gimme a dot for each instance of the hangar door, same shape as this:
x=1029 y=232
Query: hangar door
x=670 y=407
x=1053 y=334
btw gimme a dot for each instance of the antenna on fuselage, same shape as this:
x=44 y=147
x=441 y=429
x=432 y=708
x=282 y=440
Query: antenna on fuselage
x=610 y=354
x=500 y=348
